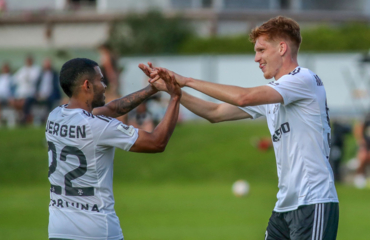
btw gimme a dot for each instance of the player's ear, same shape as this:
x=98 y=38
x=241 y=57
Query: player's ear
x=86 y=85
x=283 y=47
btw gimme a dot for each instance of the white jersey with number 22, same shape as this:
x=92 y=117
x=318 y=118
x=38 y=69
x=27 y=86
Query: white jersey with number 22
x=81 y=151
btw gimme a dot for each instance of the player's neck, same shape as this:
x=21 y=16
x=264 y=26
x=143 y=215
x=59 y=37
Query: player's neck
x=286 y=68
x=78 y=103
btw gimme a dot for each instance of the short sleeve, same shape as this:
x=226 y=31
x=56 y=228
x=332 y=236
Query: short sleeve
x=255 y=111
x=292 y=88
x=117 y=134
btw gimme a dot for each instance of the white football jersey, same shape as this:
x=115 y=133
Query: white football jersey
x=81 y=152
x=300 y=131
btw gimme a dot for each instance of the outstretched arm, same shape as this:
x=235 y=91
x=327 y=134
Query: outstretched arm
x=121 y=106
x=213 y=112
x=234 y=95
x=237 y=96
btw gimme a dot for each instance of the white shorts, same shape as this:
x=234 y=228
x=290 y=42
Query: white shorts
x=80 y=225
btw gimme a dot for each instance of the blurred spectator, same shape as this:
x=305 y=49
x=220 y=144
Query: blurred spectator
x=110 y=71
x=363 y=155
x=141 y=118
x=47 y=92
x=6 y=83
x=25 y=84
x=109 y=68
x=6 y=89
x=339 y=132
x=3 y=7
x=157 y=107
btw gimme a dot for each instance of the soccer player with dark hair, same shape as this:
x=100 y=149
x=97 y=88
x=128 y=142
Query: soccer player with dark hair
x=298 y=120
x=82 y=136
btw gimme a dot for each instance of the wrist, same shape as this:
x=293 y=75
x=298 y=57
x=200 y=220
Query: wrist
x=152 y=89
x=176 y=97
x=188 y=81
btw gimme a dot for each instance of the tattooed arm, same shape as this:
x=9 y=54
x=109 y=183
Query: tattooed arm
x=121 y=106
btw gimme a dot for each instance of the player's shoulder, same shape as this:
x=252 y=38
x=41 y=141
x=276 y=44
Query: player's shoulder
x=300 y=74
x=57 y=110
x=80 y=115
x=96 y=119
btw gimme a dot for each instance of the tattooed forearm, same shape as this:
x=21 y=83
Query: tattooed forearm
x=125 y=104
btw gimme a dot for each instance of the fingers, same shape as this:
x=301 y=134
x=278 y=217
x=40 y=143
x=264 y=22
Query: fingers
x=150 y=65
x=150 y=72
x=154 y=79
x=145 y=69
x=164 y=74
x=158 y=73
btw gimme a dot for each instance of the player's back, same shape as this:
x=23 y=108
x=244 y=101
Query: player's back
x=80 y=174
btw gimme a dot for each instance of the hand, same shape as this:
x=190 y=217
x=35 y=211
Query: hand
x=154 y=76
x=169 y=81
x=146 y=69
x=158 y=85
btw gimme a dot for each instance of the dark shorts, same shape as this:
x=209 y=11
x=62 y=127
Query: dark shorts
x=309 y=222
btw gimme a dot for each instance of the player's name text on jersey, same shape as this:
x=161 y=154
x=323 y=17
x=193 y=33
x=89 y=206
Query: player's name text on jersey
x=68 y=131
x=60 y=203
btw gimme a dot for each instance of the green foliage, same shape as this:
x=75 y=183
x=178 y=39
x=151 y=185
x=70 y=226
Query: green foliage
x=217 y=45
x=151 y=33
x=345 y=38
x=323 y=38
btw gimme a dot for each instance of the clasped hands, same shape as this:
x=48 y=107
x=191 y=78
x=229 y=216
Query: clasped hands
x=163 y=79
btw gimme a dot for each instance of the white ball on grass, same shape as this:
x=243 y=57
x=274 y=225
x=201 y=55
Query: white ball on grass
x=240 y=188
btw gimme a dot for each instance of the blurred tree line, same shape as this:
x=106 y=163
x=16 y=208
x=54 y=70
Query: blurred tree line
x=149 y=34
x=152 y=33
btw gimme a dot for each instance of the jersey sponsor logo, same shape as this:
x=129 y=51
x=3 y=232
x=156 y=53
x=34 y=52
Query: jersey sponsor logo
x=295 y=71
x=318 y=81
x=284 y=128
x=60 y=203
x=68 y=131
x=128 y=130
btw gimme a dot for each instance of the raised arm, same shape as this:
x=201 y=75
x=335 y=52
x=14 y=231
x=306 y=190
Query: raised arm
x=234 y=95
x=121 y=106
x=157 y=140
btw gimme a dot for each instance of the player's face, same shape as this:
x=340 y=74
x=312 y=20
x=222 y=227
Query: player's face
x=268 y=56
x=99 y=89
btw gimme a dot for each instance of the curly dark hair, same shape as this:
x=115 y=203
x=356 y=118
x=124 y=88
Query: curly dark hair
x=73 y=71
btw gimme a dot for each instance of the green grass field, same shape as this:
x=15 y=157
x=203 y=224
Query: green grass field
x=183 y=193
